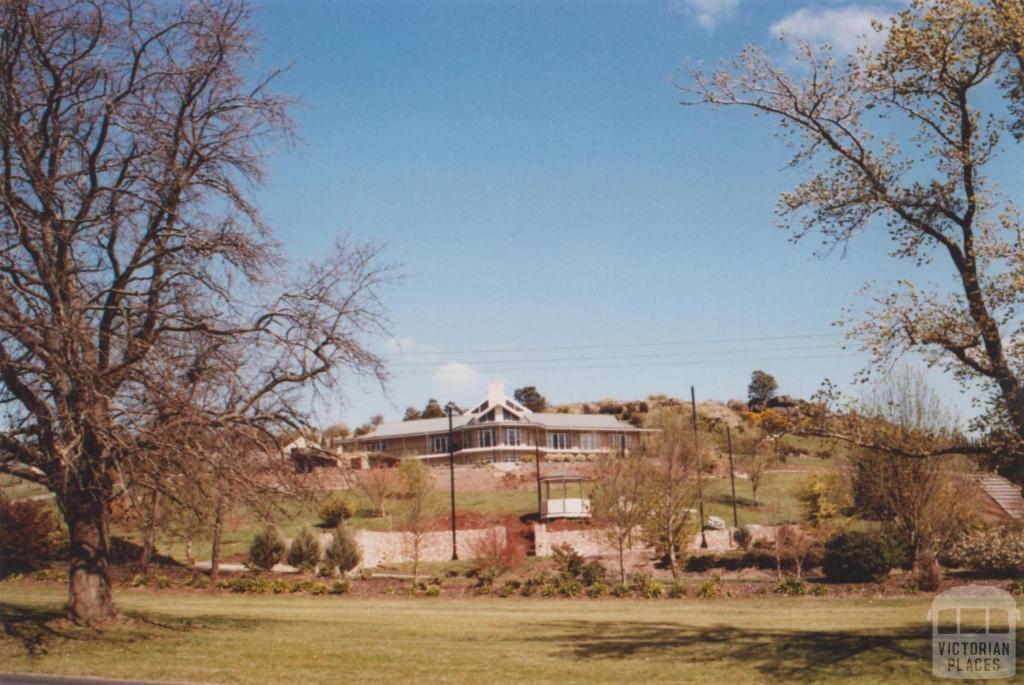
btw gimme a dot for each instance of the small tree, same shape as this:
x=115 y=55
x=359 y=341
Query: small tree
x=619 y=501
x=755 y=456
x=334 y=510
x=673 y=461
x=411 y=414
x=529 y=397
x=304 y=552
x=419 y=506
x=266 y=549
x=343 y=553
x=379 y=486
x=762 y=387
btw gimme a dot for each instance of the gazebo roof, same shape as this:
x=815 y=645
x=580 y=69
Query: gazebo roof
x=563 y=477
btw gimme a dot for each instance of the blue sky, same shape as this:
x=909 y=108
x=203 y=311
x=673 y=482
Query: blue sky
x=530 y=166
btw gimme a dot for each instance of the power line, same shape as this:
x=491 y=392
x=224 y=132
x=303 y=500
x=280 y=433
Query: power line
x=619 y=345
x=486 y=369
x=659 y=355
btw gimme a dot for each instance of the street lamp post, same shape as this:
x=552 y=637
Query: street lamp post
x=449 y=408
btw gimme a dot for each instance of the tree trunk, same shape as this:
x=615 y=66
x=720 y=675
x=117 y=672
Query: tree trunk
x=218 y=531
x=149 y=544
x=89 y=597
x=622 y=560
x=673 y=560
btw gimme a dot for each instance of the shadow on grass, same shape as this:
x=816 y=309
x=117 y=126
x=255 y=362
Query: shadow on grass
x=779 y=655
x=38 y=629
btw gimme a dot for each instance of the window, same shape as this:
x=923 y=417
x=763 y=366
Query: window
x=588 y=441
x=618 y=441
x=513 y=437
x=467 y=440
x=487 y=438
x=558 y=441
x=376 y=446
x=439 y=444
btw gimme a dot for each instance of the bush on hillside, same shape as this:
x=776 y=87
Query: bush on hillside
x=266 y=549
x=743 y=537
x=29 y=536
x=334 y=511
x=343 y=553
x=567 y=560
x=304 y=552
x=997 y=551
x=856 y=557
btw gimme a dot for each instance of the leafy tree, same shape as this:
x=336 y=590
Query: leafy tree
x=673 y=461
x=144 y=304
x=529 y=397
x=900 y=140
x=762 y=387
x=433 y=410
x=411 y=414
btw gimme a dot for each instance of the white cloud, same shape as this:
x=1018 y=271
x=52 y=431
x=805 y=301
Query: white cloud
x=844 y=28
x=708 y=13
x=459 y=382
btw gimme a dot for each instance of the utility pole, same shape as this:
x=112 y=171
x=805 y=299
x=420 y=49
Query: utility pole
x=732 y=478
x=450 y=407
x=700 y=469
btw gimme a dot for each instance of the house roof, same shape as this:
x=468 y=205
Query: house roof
x=496 y=397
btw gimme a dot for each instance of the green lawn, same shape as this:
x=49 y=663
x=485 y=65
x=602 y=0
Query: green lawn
x=245 y=639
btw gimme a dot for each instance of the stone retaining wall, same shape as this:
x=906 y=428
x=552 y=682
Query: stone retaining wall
x=393 y=548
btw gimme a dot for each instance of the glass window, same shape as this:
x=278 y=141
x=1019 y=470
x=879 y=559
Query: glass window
x=513 y=437
x=618 y=441
x=467 y=439
x=487 y=438
x=558 y=441
x=588 y=441
x=439 y=444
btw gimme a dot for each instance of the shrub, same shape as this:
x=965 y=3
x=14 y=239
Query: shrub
x=163 y=582
x=792 y=587
x=1016 y=587
x=593 y=572
x=343 y=553
x=299 y=586
x=743 y=537
x=620 y=590
x=266 y=549
x=319 y=588
x=597 y=589
x=927 y=573
x=568 y=586
x=304 y=552
x=497 y=551
x=29 y=535
x=534 y=583
x=997 y=551
x=676 y=591
x=432 y=591
x=340 y=587
x=278 y=586
x=858 y=557
x=567 y=560
x=710 y=588
x=334 y=511
x=485 y=578
x=365 y=574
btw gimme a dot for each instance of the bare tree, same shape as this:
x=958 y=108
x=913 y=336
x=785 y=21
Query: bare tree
x=899 y=139
x=619 y=501
x=144 y=308
x=379 y=486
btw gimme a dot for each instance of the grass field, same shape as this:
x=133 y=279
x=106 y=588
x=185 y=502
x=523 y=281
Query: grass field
x=245 y=639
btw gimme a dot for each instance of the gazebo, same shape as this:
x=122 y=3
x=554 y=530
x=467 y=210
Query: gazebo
x=563 y=495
